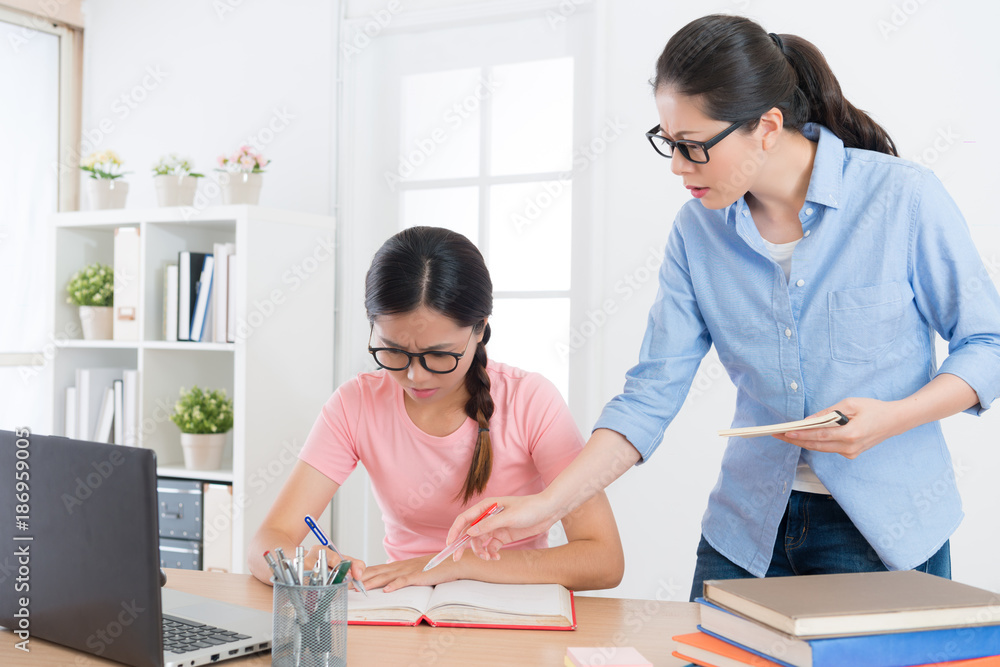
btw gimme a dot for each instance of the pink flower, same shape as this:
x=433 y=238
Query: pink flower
x=222 y=160
x=247 y=162
x=262 y=161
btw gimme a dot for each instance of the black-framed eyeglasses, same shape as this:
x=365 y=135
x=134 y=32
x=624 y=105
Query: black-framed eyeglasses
x=693 y=151
x=394 y=359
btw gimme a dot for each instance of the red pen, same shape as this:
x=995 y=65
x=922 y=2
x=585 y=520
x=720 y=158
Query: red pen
x=459 y=543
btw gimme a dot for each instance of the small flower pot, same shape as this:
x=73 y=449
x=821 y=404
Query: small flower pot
x=203 y=451
x=175 y=190
x=104 y=193
x=241 y=187
x=97 y=322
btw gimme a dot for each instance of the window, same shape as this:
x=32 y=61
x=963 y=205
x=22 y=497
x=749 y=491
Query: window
x=474 y=129
x=29 y=140
x=487 y=152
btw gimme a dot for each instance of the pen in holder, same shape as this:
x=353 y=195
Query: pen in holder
x=310 y=625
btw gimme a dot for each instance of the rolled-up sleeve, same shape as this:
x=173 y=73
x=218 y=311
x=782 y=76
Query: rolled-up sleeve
x=675 y=342
x=955 y=292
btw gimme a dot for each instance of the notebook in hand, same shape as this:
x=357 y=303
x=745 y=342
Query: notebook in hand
x=827 y=605
x=87 y=526
x=466 y=603
x=834 y=418
x=917 y=647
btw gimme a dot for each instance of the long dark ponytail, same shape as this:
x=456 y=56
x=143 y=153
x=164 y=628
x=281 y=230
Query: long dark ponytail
x=444 y=271
x=739 y=71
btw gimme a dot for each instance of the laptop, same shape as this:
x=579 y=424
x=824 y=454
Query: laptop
x=80 y=565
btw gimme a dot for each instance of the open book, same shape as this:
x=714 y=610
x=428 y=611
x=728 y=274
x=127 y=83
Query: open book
x=467 y=603
x=834 y=418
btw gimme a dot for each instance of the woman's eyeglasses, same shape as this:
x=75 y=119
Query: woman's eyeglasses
x=393 y=359
x=693 y=151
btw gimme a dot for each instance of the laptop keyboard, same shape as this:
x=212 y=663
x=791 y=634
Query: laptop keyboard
x=181 y=635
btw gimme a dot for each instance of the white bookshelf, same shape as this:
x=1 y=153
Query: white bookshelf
x=279 y=372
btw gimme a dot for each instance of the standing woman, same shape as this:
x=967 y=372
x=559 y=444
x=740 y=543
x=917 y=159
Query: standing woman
x=438 y=427
x=819 y=264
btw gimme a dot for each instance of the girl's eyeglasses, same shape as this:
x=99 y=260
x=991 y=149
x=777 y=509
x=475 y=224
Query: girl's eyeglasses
x=393 y=359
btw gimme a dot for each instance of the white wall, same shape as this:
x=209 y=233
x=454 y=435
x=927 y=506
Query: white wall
x=933 y=76
x=202 y=78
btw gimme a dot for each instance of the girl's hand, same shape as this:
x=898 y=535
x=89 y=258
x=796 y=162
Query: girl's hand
x=401 y=573
x=871 y=422
x=522 y=517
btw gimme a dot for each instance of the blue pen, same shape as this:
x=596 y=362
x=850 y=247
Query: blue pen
x=327 y=543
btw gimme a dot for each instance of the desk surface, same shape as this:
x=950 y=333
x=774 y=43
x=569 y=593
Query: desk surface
x=645 y=624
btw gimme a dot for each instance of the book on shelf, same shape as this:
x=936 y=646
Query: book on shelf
x=857 y=603
x=834 y=418
x=231 y=299
x=220 y=292
x=467 y=603
x=608 y=656
x=217 y=553
x=130 y=406
x=200 y=315
x=170 y=302
x=189 y=269
x=118 y=437
x=70 y=419
x=106 y=418
x=126 y=284
x=91 y=386
x=917 y=647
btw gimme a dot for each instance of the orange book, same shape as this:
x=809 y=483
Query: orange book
x=707 y=651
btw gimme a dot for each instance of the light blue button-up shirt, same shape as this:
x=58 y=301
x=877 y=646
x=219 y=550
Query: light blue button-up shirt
x=886 y=259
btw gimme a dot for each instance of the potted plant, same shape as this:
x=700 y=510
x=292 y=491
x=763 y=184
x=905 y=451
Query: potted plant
x=92 y=289
x=241 y=179
x=175 y=181
x=103 y=188
x=204 y=418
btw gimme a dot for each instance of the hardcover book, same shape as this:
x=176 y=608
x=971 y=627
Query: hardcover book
x=466 y=603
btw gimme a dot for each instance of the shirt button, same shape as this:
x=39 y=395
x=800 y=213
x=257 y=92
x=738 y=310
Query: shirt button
x=808 y=232
x=793 y=386
x=746 y=212
x=800 y=282
x=809 y=211
x=788 y=333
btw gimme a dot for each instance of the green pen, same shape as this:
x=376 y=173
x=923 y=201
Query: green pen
x=338 y=573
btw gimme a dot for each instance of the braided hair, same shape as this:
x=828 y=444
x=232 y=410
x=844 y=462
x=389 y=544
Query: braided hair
x=445 y=272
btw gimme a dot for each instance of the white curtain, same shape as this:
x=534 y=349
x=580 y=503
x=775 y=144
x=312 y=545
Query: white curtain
x=29 y=127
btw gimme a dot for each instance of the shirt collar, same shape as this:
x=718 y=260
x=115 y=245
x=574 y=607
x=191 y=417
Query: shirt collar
x=827 y=173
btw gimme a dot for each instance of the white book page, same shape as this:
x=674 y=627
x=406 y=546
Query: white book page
x=411 y=597
x=521 y=599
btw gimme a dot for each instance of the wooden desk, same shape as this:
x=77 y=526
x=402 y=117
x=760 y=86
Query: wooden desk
x=645 y=624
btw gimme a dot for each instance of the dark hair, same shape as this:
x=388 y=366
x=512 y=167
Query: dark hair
x=739 y=72
x=444 y=271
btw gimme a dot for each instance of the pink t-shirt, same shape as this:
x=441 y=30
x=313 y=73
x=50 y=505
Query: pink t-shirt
x=416 y=477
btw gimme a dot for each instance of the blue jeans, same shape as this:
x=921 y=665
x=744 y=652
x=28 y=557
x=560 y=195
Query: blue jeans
x=815 y=536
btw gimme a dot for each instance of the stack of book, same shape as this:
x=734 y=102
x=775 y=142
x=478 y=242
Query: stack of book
x=874 y=619
x=102 y=406
x=198 y=300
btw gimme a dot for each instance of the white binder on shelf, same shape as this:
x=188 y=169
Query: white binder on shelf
x=126 y=284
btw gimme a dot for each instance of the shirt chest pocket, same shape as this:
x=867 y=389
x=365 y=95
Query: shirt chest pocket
x=865 y=321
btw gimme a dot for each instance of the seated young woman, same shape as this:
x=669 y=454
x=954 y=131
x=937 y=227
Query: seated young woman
x=438 y=428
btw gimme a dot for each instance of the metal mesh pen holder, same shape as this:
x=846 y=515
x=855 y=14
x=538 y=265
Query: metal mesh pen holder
x=310 y=626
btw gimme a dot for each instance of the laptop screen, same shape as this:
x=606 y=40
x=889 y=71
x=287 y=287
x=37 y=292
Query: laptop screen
x=79 y=564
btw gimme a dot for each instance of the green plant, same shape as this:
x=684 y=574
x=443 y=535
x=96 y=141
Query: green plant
x=199 y=411
x=174 y=165
x=92 y=286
